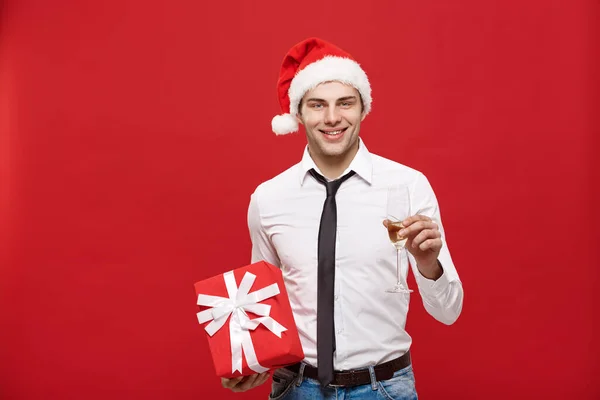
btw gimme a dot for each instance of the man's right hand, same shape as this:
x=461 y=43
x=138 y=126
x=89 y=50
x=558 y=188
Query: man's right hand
x=243 y=383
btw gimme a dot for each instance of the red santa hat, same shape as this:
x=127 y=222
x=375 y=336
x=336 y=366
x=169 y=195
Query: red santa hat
x=308 y=64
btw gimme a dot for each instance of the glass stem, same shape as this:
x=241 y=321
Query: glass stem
x=398 y=265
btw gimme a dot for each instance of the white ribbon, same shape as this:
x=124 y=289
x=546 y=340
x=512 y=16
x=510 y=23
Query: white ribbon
x=240 y=325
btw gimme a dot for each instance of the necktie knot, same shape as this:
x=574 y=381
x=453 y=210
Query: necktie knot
x=333 y=186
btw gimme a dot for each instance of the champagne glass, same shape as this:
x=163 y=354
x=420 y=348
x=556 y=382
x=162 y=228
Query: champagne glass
x=398 y=209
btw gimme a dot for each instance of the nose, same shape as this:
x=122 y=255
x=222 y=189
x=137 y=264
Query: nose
x=332 y=116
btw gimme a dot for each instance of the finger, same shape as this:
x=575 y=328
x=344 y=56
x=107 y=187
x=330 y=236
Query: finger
x=239 y=386
x=416 y=227
x=262 y=379
x=231 y=382
x=247 y=384
x=431 y=245
x=236 y=387
x=424 y=235
x=386 y=222
x=415 y=218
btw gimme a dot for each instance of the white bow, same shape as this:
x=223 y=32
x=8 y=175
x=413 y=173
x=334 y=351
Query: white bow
x=236 y=305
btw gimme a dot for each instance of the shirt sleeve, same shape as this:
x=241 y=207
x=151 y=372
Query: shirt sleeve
x=262 y=247
x=442 y=298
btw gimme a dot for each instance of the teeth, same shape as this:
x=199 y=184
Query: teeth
x=333 y=133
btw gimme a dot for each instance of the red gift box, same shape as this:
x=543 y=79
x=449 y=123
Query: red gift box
x=248 y=320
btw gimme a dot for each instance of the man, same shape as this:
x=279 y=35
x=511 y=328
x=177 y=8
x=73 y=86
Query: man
x=323 y=222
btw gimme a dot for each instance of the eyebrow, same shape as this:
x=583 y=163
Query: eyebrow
x=340 y=99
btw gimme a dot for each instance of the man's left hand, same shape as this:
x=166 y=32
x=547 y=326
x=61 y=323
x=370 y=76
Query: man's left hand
x=424 y=243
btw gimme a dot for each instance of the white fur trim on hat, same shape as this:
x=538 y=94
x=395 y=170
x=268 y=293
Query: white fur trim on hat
x=283 y=124
x=330 y=68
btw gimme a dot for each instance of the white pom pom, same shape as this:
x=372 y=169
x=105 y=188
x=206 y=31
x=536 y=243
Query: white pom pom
x=284 y=124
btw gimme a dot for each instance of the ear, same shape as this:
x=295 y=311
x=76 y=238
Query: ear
x=363 y=116
x=299 y=119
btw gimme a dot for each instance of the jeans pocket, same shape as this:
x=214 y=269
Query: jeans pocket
x=400 y=387
x=282 y=384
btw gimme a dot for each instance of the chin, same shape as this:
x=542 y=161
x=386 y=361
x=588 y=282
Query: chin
x=336 y=151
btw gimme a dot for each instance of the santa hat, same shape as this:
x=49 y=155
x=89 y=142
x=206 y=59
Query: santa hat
x=308 y=64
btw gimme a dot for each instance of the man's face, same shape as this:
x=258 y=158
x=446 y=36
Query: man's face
x=331 y=114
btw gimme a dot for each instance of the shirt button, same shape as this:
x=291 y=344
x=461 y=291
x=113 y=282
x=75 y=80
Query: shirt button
x=339 y=331
x=336 y=297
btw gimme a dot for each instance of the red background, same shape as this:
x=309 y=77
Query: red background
x=133 y=133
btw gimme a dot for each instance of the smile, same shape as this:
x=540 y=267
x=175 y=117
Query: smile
x=334 y=133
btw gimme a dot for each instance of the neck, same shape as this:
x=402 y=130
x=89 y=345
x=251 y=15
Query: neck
x=333 y=166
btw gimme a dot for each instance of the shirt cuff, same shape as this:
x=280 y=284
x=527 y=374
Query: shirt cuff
x=438 y=286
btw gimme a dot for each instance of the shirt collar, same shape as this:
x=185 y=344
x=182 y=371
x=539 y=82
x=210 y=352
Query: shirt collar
x=362 y=164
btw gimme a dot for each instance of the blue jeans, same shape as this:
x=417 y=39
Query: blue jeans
x=288 y=385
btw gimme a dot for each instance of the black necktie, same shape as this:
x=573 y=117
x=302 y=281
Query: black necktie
x=326 y=279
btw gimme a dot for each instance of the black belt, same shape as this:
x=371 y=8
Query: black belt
x=358 y=376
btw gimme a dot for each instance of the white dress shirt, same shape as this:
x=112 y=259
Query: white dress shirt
x=284 y=217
